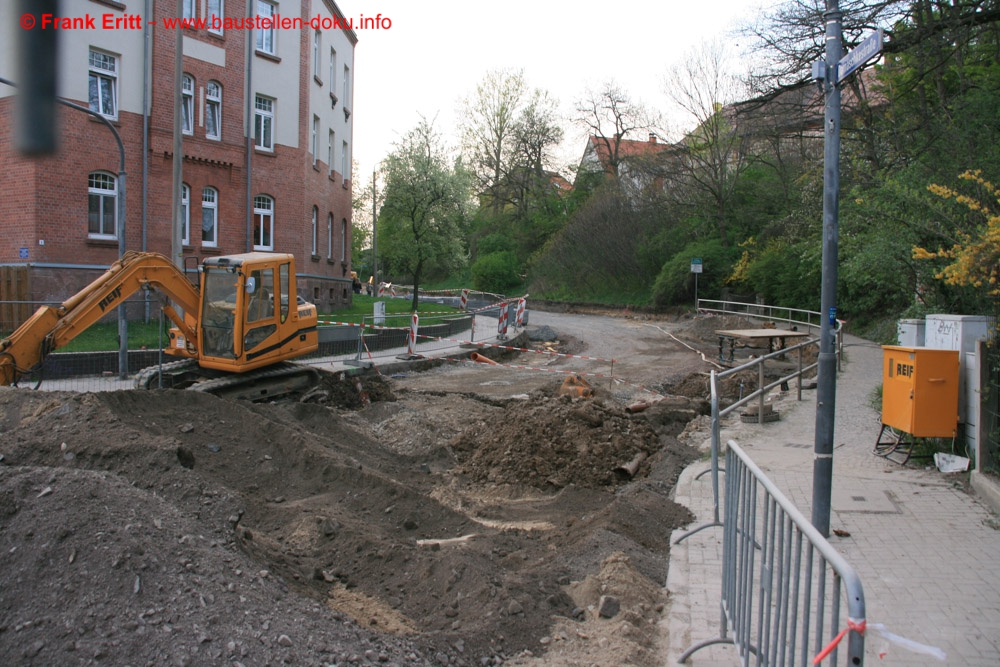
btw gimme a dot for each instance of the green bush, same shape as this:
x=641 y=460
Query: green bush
x=496 y=272
x=675 y=283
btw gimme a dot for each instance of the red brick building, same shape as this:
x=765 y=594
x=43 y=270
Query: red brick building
x=267 y=137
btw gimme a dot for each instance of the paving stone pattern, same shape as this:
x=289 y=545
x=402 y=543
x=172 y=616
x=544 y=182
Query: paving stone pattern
x=925 y=548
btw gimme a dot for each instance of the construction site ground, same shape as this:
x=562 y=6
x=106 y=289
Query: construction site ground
x=466 y=514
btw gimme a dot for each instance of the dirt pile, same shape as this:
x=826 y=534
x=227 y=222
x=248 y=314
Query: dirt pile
x=178 y=528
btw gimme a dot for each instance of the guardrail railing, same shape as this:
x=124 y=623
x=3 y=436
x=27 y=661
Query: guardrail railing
x=761 y=311
x=759 y=394
x=775 y=597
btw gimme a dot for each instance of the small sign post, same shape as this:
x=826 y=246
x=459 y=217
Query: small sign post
x=696 y=267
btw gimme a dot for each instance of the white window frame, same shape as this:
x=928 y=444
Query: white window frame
x=185 y=214
x=346 y=102
x=343 y=240
x=333 y=71
x=187 y=104
x=331 y=142
x=213 y=99
x=329 y=235
x=317 y=50
x=266 y=36
x=263 y=206
x=219 y=9
x=315 y=231
x=314 y=143
x=345 y=163
x=105 y=194
x=210 y=206
x=103 y=67
x=263 y=114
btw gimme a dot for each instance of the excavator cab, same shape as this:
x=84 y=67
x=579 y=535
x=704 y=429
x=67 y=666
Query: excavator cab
x=247 y=315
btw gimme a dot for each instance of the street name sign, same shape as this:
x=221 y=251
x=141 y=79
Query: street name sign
x=869 y=47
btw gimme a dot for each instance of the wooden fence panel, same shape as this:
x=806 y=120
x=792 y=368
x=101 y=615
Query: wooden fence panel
x=14 y=294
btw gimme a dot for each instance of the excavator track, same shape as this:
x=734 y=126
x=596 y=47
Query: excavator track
x=264 y=384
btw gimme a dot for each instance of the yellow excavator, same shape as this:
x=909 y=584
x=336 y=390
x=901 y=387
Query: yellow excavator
x=232 y=334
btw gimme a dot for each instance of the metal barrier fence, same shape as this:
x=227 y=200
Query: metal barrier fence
x=775 y=595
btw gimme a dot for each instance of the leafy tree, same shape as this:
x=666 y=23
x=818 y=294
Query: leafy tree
x=421 y=224
x=974 y=259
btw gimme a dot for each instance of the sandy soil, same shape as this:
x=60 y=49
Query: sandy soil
x=467 y=515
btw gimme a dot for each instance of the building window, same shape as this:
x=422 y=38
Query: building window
x=315 y=231
x=265 y=33
x=263 y=223
x=185 y=214
x=329 y=236
x=343 y=240
x=345 y=163
x=187 y=104
x=103 y=91
x=347 y=87
x=314 y=142
x=264 y=123
x=331 y=138
x=316 y=56
x=210 y=217
x=216 y=14
x=333 y=70
x=188 y=9
x=102 y=203
x=213 y=110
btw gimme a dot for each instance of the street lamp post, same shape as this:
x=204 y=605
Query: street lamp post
x=120 y=213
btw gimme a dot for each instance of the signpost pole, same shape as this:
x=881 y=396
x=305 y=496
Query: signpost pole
x=696 y=267
x=826 y=385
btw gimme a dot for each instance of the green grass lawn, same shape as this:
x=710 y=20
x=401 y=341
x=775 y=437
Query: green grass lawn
x=365 y=305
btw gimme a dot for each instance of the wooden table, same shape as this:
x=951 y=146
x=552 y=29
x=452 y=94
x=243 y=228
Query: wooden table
x=732 y=335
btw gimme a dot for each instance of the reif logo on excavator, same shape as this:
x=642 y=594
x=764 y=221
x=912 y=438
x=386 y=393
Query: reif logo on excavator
x=112 y=296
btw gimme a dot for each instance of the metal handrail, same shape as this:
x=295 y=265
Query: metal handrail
x=766 y=312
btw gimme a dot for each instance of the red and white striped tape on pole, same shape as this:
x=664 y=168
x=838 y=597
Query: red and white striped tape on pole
x=519 y=320
x=381 y=290
x=412 y=346
x=502 y=320
x=465 y=299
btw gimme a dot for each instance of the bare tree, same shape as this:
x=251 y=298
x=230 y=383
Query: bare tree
x=611 y=115
x=716 y=152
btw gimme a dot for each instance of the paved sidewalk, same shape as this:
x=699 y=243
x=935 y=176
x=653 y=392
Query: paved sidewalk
x=927 y=552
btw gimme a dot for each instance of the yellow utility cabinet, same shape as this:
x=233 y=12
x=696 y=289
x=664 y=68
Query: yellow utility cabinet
x=919 y=395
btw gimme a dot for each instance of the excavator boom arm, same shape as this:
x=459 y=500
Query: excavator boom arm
x=53 y=327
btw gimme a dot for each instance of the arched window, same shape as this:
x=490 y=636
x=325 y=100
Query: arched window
x=263 y=223
x=210 y=217
x=102 y=205
x=343 y=240
x=213 y=110
x=187 y=104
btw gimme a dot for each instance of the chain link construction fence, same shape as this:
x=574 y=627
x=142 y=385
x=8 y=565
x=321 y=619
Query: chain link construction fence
x=92 y=361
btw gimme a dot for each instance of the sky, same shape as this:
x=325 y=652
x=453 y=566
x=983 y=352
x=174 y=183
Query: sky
x=434 y=54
